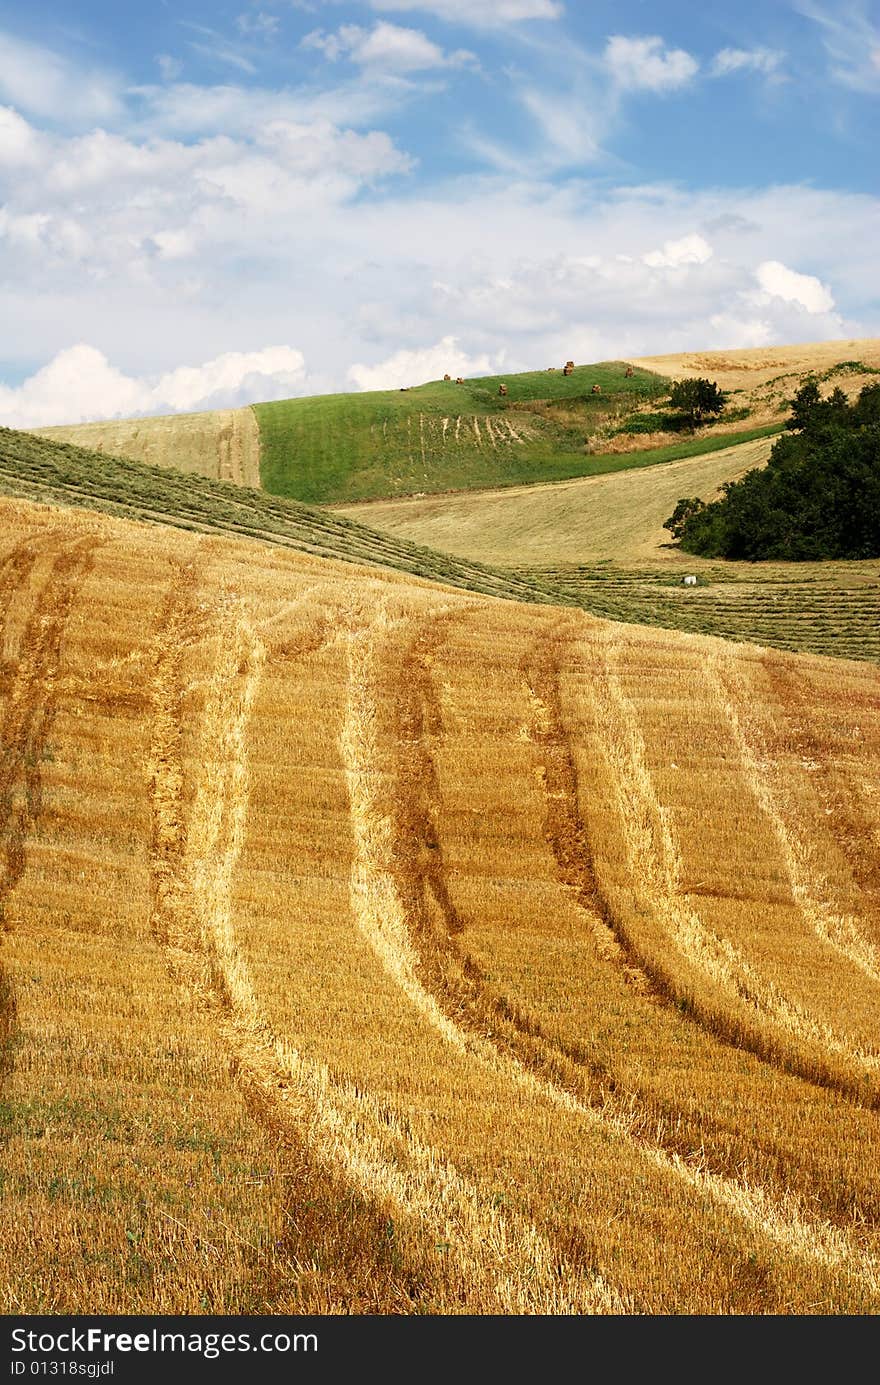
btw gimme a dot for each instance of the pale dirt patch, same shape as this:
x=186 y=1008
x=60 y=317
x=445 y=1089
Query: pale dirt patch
x=769 y=374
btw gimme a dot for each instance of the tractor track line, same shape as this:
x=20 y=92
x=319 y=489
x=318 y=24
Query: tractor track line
x=504 y=1258
x=775 y=1020
x=400 y=861
x=840 y=800
x=31 y=706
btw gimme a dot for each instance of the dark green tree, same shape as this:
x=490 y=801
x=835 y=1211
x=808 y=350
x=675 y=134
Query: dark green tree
x=817 y=497
x=809 y=410
x=696 y=399
x=684 y=511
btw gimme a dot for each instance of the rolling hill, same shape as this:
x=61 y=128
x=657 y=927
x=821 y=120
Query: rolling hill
x=445 y=436
x=442 y=435
x=601 y=542
x=223 y=445
x=59 y=473
x=829 y=608
x=374 y=946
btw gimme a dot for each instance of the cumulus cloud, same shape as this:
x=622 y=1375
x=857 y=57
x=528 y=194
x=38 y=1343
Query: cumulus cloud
x=779 y=281
x=80 y=385
x=692 y=249
x=386 y=48
x=482 y=14
x=415 y=367
x=19 y=142
x=225 y=243
x=643 y=64
x=735 y=332
x=43 y=83
x=167 y=197
x=763 y=60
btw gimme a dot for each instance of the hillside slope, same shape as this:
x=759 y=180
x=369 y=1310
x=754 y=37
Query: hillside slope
x=601 y=542
x=829 y=608
x=443 y=435
x=446 y=436
x=618 y=515
x=369 y=946
x=62 y=474
x=223 y=445
x=764 y=378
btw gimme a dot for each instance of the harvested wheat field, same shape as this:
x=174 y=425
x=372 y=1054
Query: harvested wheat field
x=764 y=377
x=223 y=445
x=370 y=946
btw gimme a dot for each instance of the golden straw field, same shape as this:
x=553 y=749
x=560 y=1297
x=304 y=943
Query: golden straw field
x=372 y=946
x=223 y=444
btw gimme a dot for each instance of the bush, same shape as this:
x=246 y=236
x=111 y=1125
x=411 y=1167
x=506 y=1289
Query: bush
x=818 y=496
x=694 y=400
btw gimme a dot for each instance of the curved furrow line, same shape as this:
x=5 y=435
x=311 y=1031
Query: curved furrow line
x=768 y=785
x=15 y=571
x=379 y=910
x=773 y=792
x=568 y=837
x=503 y=1258
x=398 y=861
x=29 y=712
x=654 y=860
x=31 y=708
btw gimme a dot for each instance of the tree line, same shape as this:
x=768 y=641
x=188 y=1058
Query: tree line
x=817 y=497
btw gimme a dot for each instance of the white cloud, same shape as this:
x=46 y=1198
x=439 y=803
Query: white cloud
x=779 y=281
x=217 y=49
x=169 y=67
x=386 y=48
x=19 y=142
x=571 y=127
x=220 y=244
x=692 y=249
x=414 y=367
x=481 y=14
x=80 y=385
x=851 y=40
x=643 y=64
x=186 y=108
x=729 y=330
x=41 y=82
x=171 y=198
x=767 y=61
x=259 y=25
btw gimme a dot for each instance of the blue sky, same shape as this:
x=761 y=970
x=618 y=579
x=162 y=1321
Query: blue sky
x=206 y=204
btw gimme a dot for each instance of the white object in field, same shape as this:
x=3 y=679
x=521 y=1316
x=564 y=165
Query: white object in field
x=690 y=581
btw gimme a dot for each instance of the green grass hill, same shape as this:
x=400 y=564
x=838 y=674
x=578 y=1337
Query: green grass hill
x=442 y=436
